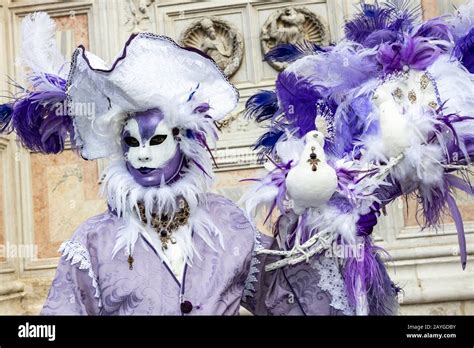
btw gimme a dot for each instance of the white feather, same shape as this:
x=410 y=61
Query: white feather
x=261 y=194
x=455 y=85
x=290 y=149
x=420 y=167
x=123 y=194
x=328 y=218
x=39 y=51
x=462 y=20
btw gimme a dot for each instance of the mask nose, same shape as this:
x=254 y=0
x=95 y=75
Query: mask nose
x=144 y=155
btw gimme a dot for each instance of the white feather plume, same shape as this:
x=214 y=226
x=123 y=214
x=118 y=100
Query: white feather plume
x=463 y=19
x=39 y=51
x=123 y=193
x=200 y=223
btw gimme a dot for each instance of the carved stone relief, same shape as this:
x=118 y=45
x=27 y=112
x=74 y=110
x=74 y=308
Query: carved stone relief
x=235 y=122
x=138 y=17
x=218 y=39
x=291 y=25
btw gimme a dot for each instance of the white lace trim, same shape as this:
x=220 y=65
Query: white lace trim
x=249 y=288
x=331 y=281
x=76 y=253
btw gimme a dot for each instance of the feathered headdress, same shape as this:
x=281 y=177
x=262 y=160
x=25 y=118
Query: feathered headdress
x=38 y=114
x=397 y=97
x=87 y=100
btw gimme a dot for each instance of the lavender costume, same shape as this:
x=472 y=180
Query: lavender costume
x=90 y=282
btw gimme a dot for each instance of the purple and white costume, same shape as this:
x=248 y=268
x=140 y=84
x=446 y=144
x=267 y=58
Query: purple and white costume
x=165 y=245
x=386 y=112
x=90 y=281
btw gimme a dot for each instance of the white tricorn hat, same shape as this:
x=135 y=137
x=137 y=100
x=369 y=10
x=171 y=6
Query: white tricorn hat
x=152 y=71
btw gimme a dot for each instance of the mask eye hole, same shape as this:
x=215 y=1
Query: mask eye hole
x=158 y=139
x=131 y=141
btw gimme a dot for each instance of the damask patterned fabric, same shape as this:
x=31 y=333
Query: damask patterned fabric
x=94 y=283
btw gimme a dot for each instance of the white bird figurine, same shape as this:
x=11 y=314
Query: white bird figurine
x=312 y=182
x=394 y=130
x=394 y=100
x=393 y=126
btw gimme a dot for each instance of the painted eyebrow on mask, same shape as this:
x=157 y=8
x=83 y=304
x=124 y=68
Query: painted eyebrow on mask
x=147 y=123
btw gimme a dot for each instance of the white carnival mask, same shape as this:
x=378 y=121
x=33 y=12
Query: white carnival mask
x=150 y=148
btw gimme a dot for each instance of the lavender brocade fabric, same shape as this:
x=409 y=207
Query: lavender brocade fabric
x=213 y=285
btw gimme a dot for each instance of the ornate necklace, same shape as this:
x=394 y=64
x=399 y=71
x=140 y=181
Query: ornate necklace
x=164 y=226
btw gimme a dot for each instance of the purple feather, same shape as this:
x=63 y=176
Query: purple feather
x=48 y=82
x=416 y=52
x=462 y=185
x=201 y=168
x=191 y=95
x=447 y=125
x=375 y=282
x=433 y=204
x=278 y=179
x=382 y=297
x=379 y=23
x=388 y=193
x=419 y=53
x=37 y=124
x=6 y=113
x=340 y=202
x=37 y=117
x=390 y=58
x=262 y=106
x=202 y=108
x=336 y=73
x=456 y=214
x=352 y=126
x=298 y=98
x=268 y=140
x=403 y=14
x=54 y=132
x=379 y=37
x=291 y=52
x=371 y=18
x=464 y=50
x=435 y=28
x=266 y=143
